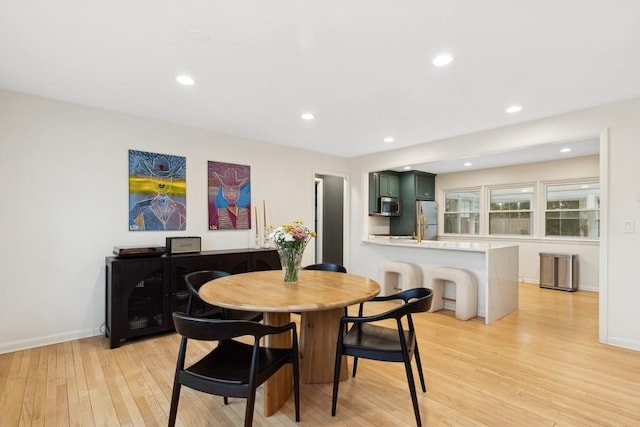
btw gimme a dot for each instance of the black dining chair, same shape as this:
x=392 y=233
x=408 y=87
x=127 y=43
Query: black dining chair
x=197 y=307
x=326 y=266
x=371 y=341
x=232 y=368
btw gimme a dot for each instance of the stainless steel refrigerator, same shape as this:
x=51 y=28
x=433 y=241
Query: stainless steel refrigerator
x=407 y=223
x=427 y=216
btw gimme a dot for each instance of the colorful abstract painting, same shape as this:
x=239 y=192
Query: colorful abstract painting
x=157 y=191
x=229 y=196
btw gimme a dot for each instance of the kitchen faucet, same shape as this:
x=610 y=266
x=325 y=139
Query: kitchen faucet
x=420 y=217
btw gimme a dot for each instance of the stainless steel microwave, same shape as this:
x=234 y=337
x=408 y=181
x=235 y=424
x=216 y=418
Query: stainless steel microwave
x=388 y=206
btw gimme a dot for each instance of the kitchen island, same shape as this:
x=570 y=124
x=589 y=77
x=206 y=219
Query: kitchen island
x=495 y=267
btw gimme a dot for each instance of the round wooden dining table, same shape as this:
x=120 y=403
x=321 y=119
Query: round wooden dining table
x=320 y=297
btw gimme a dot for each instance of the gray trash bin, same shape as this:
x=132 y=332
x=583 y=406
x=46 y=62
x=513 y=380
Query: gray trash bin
x=559 y=271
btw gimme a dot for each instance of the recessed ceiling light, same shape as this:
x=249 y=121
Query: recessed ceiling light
x=183 y=79
x=307 y=116
x=389 y=139
x=514 y=109
x=442 y=60
x=407 y=168
x=468 y=164
x=565 y=150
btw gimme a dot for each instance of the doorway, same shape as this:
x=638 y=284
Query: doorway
x=330 y=218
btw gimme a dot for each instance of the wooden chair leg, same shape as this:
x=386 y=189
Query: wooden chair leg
x=355 y=366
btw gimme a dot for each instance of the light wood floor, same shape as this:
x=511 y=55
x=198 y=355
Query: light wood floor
x=541 y=366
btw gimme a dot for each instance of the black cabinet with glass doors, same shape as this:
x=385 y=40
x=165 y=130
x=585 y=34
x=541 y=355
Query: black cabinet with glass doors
x=142 y=292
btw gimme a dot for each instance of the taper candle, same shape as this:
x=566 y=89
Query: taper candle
x=256 y=221
x=264 y=213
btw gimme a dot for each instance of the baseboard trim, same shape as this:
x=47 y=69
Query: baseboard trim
x=48 y=340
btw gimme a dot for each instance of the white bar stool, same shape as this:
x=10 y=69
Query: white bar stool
x=395 y=276
x=466 y=291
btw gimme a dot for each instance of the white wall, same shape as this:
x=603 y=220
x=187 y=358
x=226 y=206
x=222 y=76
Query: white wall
x=530 y=247
x=64 y=172
x=620 y=184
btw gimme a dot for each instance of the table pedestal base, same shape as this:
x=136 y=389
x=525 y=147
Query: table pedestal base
x=318 y=338
x=279 y=387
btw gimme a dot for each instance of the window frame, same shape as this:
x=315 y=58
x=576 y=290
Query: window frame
x=544 y=207
x=538 y=211
x=479 y=212
x=533 y=210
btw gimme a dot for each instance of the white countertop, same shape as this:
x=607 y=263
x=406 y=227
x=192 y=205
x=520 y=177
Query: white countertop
x=435 y=244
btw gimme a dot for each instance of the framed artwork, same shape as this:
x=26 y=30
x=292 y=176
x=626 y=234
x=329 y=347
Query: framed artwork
x=229 y=200
x=157 y=191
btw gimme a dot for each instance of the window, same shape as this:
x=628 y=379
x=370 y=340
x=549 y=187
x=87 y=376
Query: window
x=511 y=211
x=573 y=210
x=462 y=212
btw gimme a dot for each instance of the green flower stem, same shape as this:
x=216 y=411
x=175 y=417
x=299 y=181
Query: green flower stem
x=291 y=258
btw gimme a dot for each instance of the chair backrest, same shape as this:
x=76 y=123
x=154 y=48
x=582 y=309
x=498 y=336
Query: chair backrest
x=195 y=280
x=327 y=266
x=232 y=368
x=416 y=300
x=414 y=294
x=205 y=329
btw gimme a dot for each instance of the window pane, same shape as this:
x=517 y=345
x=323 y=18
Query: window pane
x=510 y=223
x=451 y=205
x=553 y=205
x=451 y=223
x=470 y=224
x=510 y=211
x=462 y=223
x=573 y=224
x=462 y=202
x=573 y=210
x=462 y=212
x=573 y=196
x=509 y=194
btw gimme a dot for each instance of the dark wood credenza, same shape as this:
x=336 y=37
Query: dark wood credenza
x=142 y=292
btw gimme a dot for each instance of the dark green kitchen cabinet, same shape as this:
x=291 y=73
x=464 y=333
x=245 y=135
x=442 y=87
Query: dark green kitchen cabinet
x=413 y=186
x=423 y=185
x=382 y=184
x=389 y=185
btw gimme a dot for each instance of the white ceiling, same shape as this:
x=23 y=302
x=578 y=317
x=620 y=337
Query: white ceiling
x=363 y=67
x=531 y=154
